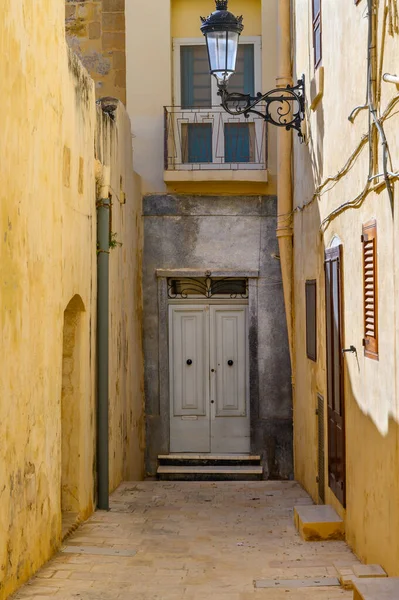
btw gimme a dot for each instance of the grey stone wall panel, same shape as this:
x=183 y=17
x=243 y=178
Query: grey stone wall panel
x=217 y=233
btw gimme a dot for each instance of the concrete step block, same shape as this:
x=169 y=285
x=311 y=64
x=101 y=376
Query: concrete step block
x=380 y=588
x=191 y=459
x=369 y=571
x=317 y=523
x=209 y=473
x=347 y=575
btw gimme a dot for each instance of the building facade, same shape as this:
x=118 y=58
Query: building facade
x=345 y=269
x=217 y=373
x=60 y=152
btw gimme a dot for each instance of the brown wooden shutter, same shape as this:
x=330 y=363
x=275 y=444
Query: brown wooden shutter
x=311 y=338
x=370 y=289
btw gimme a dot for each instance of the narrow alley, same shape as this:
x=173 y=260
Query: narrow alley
x=194 y=541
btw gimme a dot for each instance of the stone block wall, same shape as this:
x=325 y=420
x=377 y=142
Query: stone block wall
x=95 y=30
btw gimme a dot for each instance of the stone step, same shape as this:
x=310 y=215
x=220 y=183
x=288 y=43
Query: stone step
x=210 y=472
x=376 y=589
x=347 y=575
x=318 y=523
x=188 y=459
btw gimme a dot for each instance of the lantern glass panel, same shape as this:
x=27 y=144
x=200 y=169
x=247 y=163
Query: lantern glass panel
x=222 y=48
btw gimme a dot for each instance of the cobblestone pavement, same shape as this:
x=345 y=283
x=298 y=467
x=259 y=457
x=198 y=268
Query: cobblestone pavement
x=194 y=541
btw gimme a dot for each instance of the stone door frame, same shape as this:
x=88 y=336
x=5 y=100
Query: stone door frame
x=163 y=346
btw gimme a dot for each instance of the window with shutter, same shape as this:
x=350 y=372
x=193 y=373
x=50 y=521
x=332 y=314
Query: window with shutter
x=317 y=43
x=311 y=341
x=370 y=289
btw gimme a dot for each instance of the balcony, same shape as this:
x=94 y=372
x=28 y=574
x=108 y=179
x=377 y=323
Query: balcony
x=209 y=145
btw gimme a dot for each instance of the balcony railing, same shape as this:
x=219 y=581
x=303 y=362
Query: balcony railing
x=198 y=139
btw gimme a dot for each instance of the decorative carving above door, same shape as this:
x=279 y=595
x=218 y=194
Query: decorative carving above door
x=207 y=287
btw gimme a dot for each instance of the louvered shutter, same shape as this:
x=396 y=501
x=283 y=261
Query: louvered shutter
x=370 y=289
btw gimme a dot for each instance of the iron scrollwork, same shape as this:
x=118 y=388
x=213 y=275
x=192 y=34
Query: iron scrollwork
x=207 y=287
x=284 y=107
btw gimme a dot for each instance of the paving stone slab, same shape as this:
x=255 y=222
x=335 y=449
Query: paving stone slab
x=297 y=583
x=97 y=550
x=369 y=571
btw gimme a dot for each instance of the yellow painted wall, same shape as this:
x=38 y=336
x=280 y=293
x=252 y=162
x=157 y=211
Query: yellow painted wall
x=372 y=512
x=48 y=258
x=126 y=420
x=149 y=85
x=150 y=82
x=186 y=16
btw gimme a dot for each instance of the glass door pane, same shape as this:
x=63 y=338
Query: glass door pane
x=196 y=142
x=196 y=89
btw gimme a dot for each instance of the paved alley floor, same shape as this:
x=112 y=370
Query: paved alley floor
x=192 y=541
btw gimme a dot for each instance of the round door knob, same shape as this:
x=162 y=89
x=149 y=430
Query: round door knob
x=230 y=363
x=189 y=362
x=212 y=370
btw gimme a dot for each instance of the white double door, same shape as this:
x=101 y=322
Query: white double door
x=209 y=379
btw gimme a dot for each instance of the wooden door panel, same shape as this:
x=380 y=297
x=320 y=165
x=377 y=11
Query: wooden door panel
x=230 y=428
x=335 y=383
x=189 y=375
x=189 y=378
x=230 y=364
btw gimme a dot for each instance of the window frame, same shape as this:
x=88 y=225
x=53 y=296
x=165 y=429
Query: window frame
x=317 y=22
x=311 y=284
x=200 y=41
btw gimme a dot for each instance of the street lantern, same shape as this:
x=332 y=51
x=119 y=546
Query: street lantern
x=222 y=31
x=283 y=107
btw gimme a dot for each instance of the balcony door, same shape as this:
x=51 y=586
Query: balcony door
x=205 y=135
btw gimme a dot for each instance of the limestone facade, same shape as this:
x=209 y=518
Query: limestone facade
x=95 y=30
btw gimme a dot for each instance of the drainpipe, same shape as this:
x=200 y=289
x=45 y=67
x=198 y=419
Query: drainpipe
x=103 y=222
x=284 y=175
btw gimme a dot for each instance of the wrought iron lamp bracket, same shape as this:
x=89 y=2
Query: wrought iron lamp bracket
x=283 y=107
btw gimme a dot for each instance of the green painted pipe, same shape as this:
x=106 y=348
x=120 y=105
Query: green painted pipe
x=103 y=221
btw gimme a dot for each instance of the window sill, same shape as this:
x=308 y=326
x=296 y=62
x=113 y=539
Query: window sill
x=213 y=175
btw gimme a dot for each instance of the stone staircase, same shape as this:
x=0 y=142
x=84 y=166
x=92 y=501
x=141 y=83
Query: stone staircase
x=368 y=582
x=209 y=467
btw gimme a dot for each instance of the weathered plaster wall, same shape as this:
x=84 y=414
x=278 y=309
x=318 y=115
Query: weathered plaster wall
x=217 y=233
x=48 y=263
x=372 y=513
x=126 y=417
x=150 y=83
x=95 y=30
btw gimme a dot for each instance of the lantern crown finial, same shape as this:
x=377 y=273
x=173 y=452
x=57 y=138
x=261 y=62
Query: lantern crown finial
x=221 y=4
